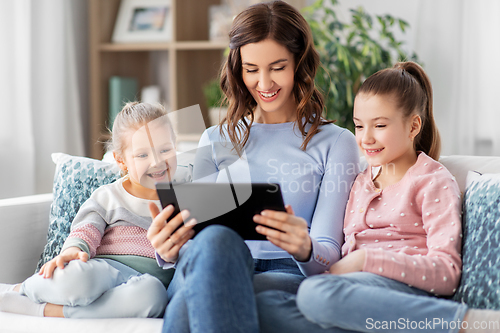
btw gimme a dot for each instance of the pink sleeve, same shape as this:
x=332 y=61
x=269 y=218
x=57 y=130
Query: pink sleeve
x=437 y=272
x=87 y=233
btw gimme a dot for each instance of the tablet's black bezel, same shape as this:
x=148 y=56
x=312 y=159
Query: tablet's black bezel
x=264 y=196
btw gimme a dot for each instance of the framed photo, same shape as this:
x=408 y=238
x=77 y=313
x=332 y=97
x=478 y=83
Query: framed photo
x=220 y=22
x=143 y=21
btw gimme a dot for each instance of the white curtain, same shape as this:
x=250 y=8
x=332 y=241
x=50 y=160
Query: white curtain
x=459 y=42
x=43 y=84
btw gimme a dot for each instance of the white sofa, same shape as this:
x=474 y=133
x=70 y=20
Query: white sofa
x=23 y=225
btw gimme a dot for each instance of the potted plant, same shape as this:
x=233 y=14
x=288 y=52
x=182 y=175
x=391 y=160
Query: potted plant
x=350 y=52
x=217 y=109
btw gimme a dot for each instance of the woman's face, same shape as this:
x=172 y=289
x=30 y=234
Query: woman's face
x=268 y=72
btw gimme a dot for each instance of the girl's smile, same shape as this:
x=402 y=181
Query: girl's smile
x=373 y=152
x=158 y=175
x=382 y=133
x=149 y=158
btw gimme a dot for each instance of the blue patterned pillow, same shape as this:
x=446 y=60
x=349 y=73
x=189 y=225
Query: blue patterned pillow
x=479 y=287
x=74 y=181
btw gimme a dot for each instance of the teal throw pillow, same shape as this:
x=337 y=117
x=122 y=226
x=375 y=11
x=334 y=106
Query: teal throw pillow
x=74 y=181
x=479 y=285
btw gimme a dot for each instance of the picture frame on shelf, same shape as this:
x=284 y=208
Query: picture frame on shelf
x=140 y=21
x=220 y=19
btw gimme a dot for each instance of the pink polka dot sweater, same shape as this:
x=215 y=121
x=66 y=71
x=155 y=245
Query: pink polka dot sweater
x=411 y=230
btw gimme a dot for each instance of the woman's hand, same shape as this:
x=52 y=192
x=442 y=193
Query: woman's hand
x=291 y=235
x=71 y=253
x=353 y=262
x=166 y=242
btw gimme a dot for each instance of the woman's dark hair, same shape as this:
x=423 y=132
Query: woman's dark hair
x=408 y=83
x=282 y=23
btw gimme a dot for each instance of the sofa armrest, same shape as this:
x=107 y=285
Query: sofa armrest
x=23 y=223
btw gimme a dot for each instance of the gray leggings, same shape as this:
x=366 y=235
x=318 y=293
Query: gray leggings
x=99 y=288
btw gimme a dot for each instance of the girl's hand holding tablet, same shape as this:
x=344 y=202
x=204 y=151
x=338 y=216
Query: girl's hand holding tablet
x=165 y=237
x=291 y=234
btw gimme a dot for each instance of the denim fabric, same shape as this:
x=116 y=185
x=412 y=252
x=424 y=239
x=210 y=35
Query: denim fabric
x=212 y=288
x=357 y=302
x=278 y=313
x=99 y=288
x=212 y=291
x=277 y=274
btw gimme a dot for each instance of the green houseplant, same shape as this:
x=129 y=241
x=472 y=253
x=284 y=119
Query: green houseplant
x=217 y=109
x=213 y=93
x=350 y=52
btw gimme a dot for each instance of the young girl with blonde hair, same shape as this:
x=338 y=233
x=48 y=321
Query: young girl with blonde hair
x=107 y=266
x=402 y=226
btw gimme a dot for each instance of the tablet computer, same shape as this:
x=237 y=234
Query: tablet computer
x=231 y=205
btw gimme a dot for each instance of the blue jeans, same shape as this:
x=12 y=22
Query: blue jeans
x=212 y=289
x=356 y=302
x=99 y=288
x=276 y=274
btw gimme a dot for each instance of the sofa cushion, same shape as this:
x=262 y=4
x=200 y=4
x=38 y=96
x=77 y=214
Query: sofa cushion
x=479 y=286
x=460 y=165
x=74 y=181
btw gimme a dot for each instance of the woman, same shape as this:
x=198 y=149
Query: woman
x=273 y=133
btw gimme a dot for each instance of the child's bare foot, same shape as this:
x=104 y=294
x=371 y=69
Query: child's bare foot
x=53 y=310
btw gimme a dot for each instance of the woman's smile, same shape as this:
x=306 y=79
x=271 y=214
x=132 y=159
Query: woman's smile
x=269 y=96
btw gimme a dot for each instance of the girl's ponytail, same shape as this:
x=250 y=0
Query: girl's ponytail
x=428 y=140
x=410 y=85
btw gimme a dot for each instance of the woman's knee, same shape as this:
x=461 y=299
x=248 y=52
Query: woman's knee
x=219 y=237
x=215 y=242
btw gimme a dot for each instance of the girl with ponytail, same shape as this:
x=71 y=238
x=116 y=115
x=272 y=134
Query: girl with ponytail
x=402 y=226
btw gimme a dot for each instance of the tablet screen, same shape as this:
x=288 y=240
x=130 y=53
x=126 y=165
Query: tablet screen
x=232 y=205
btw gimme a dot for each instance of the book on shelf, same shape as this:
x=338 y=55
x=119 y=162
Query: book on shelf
x=121 y=90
